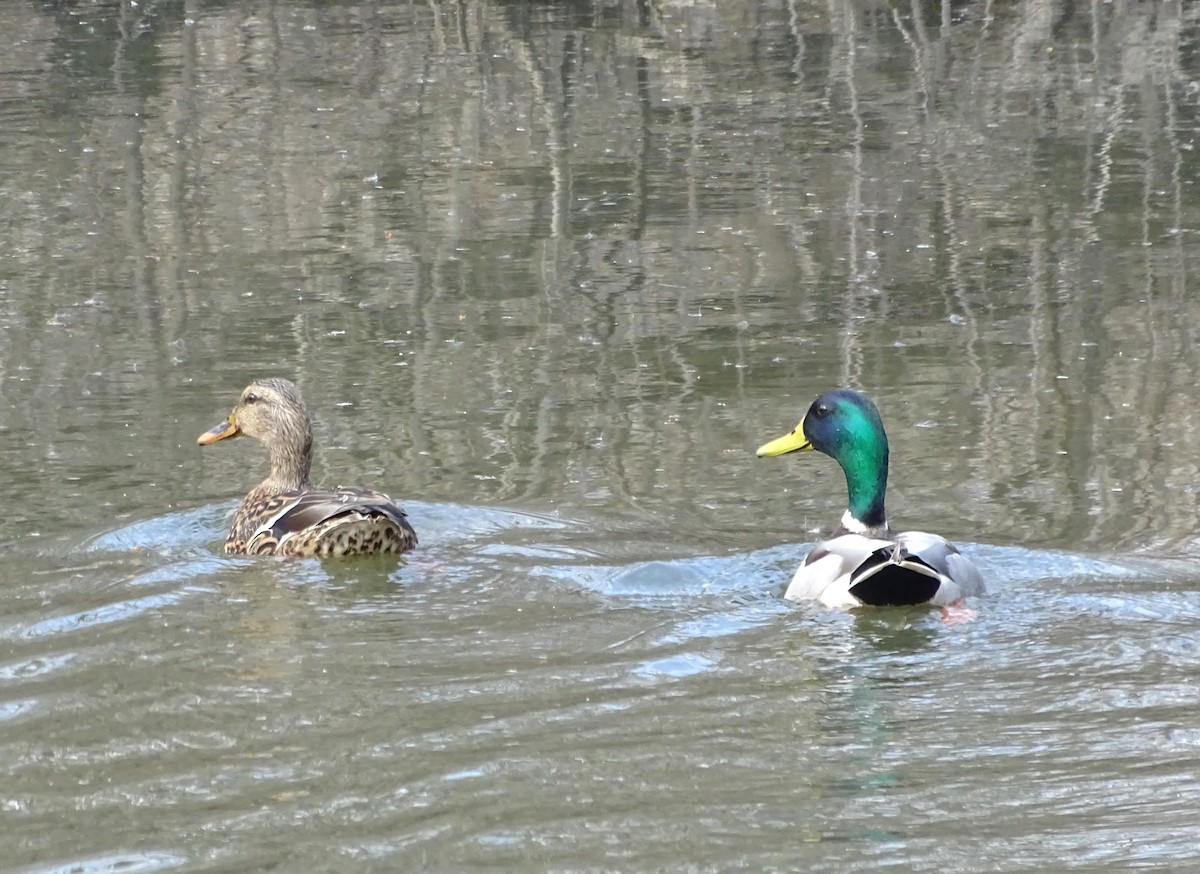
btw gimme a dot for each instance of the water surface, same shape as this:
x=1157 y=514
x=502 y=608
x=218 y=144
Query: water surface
x=549 y=274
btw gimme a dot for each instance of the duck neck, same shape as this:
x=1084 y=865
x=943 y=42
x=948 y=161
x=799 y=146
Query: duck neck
x=290 y=465
x=866 y=469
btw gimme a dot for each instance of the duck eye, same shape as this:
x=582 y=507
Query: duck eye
x=251 y=398
x=822 y=411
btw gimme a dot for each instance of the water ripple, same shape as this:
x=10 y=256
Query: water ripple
x=113 y=863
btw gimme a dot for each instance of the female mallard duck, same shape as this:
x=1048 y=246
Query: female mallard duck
x=285 y=514
x=864 y=563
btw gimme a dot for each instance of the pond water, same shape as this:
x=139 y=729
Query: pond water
x=548 y=274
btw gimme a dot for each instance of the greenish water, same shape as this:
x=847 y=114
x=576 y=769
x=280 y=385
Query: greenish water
x=548 y=274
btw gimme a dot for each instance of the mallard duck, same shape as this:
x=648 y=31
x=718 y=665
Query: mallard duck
x=864 y=563
x=285 y=514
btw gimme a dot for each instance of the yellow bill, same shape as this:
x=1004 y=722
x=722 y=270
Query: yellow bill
x=795 y=441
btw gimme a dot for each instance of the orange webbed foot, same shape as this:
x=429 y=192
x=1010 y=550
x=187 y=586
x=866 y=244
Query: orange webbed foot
x=958 y=613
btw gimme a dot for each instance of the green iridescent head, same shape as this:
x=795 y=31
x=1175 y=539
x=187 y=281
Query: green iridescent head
x=845 y=425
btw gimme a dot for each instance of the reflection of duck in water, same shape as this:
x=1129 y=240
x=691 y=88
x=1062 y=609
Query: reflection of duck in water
x=864 y=563
x=285 y=514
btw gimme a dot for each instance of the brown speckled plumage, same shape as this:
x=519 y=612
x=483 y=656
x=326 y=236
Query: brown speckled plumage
x=285 y=514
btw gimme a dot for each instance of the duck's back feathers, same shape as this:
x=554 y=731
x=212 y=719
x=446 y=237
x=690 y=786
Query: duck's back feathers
x=914 y=567
x=320 y=522
x=957 y=571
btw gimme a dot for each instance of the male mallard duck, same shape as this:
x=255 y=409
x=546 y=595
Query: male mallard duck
x=864 y=563
x=285 y=514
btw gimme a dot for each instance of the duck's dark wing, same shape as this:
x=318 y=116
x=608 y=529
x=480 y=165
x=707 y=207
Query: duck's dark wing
x=343 y=521
x=310 y=509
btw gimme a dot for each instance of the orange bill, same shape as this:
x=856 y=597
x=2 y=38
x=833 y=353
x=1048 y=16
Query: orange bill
x=228 y=428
